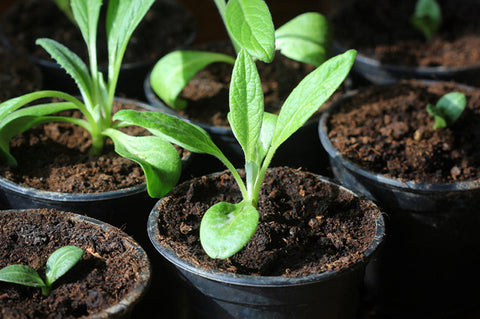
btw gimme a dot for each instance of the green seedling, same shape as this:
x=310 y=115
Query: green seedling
x=448 y=109
x=306 y=38
x=427 y=17
x=58 y=264
x=159 y=160
x=227 y=227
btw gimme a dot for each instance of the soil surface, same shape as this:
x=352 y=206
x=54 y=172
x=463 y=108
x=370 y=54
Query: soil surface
x=17 y=76
x=165 y=27
x=306 y=226
x=207 y=93
x=55 y=157
x=381 y=29
x=387 y=130
x=108 y=270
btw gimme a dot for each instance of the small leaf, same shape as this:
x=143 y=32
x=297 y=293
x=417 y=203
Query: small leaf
x=226 y=228
x=448 y=109
x=250 y=25
x=306 y=38
x=310 y=94
x=266 y=135
x=427 y=17
x=171 y=73
x=61 y=261
x=86 y=13
x=159 y=160
x=246 y=104
x=21 y=274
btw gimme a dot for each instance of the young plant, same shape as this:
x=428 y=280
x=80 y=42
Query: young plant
x=159 y=160
x=59 y=262
x=227 y=227
x=427 y=17
x=448 y=109
x=306 y=38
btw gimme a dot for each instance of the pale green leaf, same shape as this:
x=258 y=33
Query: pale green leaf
x=226 y=228
x=306 y=38
x=159 y=160
x=21 y=274
x=246 y=104
x=172 y=72
x=310 y=94
x=61 y=261
x=266 y=135
x=250 y=25
x=86 y=13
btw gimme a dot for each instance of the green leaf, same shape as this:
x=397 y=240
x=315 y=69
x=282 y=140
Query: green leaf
x=448 y=109
x=171 y=73
x=226 y=228
x=72 y=64
x=61 y=261
x=21 y=274
x=427 y=17
x=266 y=135
x=310 y=94
x=246 y=104
x=86 y=13
x=64 y=5
x=159 y=160
x=306 y=38
x=174 y=130
x=250 y=25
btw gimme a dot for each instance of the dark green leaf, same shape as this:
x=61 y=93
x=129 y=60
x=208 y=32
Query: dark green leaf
x=226 y=228
x=61 y=261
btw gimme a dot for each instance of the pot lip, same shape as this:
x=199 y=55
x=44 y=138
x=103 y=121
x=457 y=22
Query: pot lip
x=138 y=291
x=263 y=281
x=381 y=178
x=145 y=63
x=86 y=197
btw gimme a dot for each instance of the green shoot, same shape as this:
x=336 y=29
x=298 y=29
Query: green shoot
x=58 y=264
x=123 y=16
x=427 y=17
x=448 y=109
x=306 y=38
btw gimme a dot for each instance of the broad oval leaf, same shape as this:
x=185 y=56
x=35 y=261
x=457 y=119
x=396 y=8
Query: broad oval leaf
x=172 y=72
x=310 y=94
x=226 y=228
x=306 y=38
x=21 y=274
x=246 y=104
x=159 y=160
x=61 y=261
x=250 y=24
x=448 y=109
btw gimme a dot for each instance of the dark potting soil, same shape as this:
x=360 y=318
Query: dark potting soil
x=381 y=29
x=165 y=27
x=105 y=274
x=55 y=157
x=387 y=130
x=207 y=93
x=17 y=76
x=306 y=226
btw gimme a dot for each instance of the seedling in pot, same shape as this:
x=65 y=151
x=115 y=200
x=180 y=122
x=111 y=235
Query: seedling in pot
x=306 y=38
x=448 y=109
x=159 y=160
x=227 y=227
x=427 y=17
x=58 y=264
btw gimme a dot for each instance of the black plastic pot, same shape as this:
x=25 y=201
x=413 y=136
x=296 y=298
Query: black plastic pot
x=429 y=265
x=124 y=306
x=302 y=149
x=216 y=294
x=131 y=75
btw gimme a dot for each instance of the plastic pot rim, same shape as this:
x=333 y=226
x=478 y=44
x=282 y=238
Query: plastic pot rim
x=138 y=291
x=419 y=187
x=263 y=281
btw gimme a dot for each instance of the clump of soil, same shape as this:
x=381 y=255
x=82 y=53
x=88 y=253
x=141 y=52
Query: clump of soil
x=381 y=29
x=55 y=157
x=387 y=130
x=165 y=27
x=109 y=269
x=306 y=225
